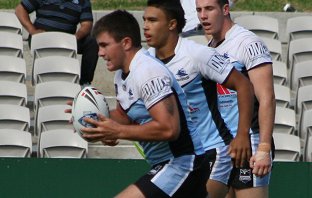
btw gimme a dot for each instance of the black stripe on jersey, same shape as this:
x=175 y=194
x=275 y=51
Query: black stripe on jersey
x=184 y=144
x=210 y=89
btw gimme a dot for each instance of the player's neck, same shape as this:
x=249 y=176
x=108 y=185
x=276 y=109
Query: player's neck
x=167 y=50
x=220 y=36
x=129 y=55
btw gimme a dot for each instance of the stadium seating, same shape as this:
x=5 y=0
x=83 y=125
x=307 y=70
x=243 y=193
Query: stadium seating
x=301 y=75
x=275 y=48
x=308 y=148
x=305 y=126
x=299 y=27
x=280 y=73
x=11 y=44
x=13 y=93
x=53 y=44
x=12 y=69
x=62 y=144
x=285 y=121
x=300 y=50
x=263 y=26
x=287 y=147
x=282 y=95
x=10 y=23
x=15 y=143
x=56 y=68
x=14 y=117
x=52 y=117
x=54 y=92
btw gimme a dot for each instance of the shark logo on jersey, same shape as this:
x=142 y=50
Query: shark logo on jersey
x=257 y=50
x=245 y=175
x=182 y=75
x=156 y=87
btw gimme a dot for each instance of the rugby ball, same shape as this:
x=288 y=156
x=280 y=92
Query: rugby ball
x=87 y=104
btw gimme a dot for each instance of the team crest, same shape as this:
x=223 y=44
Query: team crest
x=245 y=175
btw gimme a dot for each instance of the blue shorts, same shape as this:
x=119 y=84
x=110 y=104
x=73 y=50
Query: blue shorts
x=183 y=176
x=222 y=168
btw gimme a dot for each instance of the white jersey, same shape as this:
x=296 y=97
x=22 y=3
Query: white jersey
x=190 y=64
x=249 y=51
x=147 y=83
x=190 y=14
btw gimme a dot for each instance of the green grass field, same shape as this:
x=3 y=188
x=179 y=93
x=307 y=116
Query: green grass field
x=242 y=5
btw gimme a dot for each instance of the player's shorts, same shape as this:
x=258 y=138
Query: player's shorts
x=223 y=170
x=181 y=177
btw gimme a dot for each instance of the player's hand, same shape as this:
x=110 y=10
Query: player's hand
x=261 y=161
x=240 y=150
x=104 y=129
x=110 y=142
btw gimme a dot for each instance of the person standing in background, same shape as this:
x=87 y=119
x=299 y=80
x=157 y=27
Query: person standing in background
x=64 y=16
x=253 y=59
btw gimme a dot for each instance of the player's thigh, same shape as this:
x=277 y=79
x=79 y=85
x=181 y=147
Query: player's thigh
x=131 y=192
x=256 y=192
x=216 y=189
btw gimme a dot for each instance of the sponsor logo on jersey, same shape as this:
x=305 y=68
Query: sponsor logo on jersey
x=218 y=62
x=155 y=170
x=182 y=75
x=223 y=90
x=155 y=87
x=245 y=175
x=256 y=50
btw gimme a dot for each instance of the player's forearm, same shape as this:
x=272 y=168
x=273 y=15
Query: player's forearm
x=245 y=99
x=150 y=131
x=266 y=118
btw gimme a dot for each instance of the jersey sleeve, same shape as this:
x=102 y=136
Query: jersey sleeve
x=211 y=64
x=31 y=5
x=255 y=52
x=86 y=14
x=154 y=84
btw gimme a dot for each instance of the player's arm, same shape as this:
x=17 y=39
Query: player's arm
x=119 y=115
x=262 y=80
x=163 y=126
x=240 y=145
x=84 y=29
x=24 y=18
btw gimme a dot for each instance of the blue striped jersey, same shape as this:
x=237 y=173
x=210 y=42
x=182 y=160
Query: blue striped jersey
x=59 y=15
x=147 y=83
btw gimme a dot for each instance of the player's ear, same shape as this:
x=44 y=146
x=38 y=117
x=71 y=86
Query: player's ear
x=226 y=9
x=172 y=24
x=126 y=43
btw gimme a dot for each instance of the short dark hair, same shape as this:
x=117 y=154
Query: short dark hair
x=173 y=10
x=119 y=24
x=222 y=2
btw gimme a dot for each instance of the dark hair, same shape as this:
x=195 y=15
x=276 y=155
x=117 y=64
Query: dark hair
x=119 y=24
x=173 y=10
x=222 y=2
